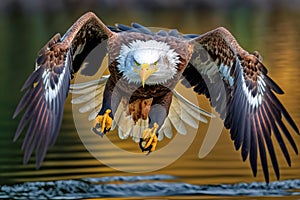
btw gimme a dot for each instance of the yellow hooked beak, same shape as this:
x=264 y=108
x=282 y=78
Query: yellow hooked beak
x=144 y=71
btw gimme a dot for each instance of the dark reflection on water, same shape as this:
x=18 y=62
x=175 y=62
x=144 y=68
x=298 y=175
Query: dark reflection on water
x=276 y=35
x=141 y=186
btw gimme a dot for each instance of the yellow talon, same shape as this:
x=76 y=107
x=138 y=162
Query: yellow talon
x=149 y=139
x=103 y=123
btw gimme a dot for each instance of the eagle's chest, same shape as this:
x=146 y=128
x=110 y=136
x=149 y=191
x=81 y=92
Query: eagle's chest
x=137 y=100
x=136 y=91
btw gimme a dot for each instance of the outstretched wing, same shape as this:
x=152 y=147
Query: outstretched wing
x=237 y=84
x=47 y=86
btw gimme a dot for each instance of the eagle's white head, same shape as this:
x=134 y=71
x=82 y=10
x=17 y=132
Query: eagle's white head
x=148 y=62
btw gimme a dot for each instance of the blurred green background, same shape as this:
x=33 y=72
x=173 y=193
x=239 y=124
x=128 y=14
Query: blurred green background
x=270 y=26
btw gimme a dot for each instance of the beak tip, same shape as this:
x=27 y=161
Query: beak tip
x=145 y=72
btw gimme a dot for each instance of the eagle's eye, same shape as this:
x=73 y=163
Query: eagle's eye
x=136 y=63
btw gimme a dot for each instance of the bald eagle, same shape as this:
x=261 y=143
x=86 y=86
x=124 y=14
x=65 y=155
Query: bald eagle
x=144 y=67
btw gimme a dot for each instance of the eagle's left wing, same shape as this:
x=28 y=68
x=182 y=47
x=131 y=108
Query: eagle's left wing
x=237 y=85
x=48 y=85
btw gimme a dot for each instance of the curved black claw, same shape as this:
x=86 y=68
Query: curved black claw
x=143 y=148
x=97 y=128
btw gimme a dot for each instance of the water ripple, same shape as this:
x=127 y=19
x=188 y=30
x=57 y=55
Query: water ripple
x=130 y=186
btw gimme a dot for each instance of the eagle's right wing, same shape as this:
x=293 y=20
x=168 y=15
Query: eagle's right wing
x=239 y=88
x=48 y=85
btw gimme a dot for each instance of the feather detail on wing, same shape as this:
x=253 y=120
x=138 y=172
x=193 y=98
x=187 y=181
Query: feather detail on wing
x=47 y=86
x=237 y=85
x=182 y=112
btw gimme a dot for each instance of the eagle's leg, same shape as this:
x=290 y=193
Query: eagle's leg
x=157 y=115
x=111 y=99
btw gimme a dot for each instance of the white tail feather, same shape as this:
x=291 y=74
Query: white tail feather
x=88 y=107
x=125 y=126
x=184 y=115
x=89 y=95
x=138 y=129
x=191 y=105
x=160 y=136
x=93 y=115
x=117 y=116
x=177 y=121
x=194 y=113
x=80 y=86
x=84 y=90
x=166 y=128
x=83 y=98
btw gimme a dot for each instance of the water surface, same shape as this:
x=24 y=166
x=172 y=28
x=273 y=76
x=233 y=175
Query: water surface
x=275 y=34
